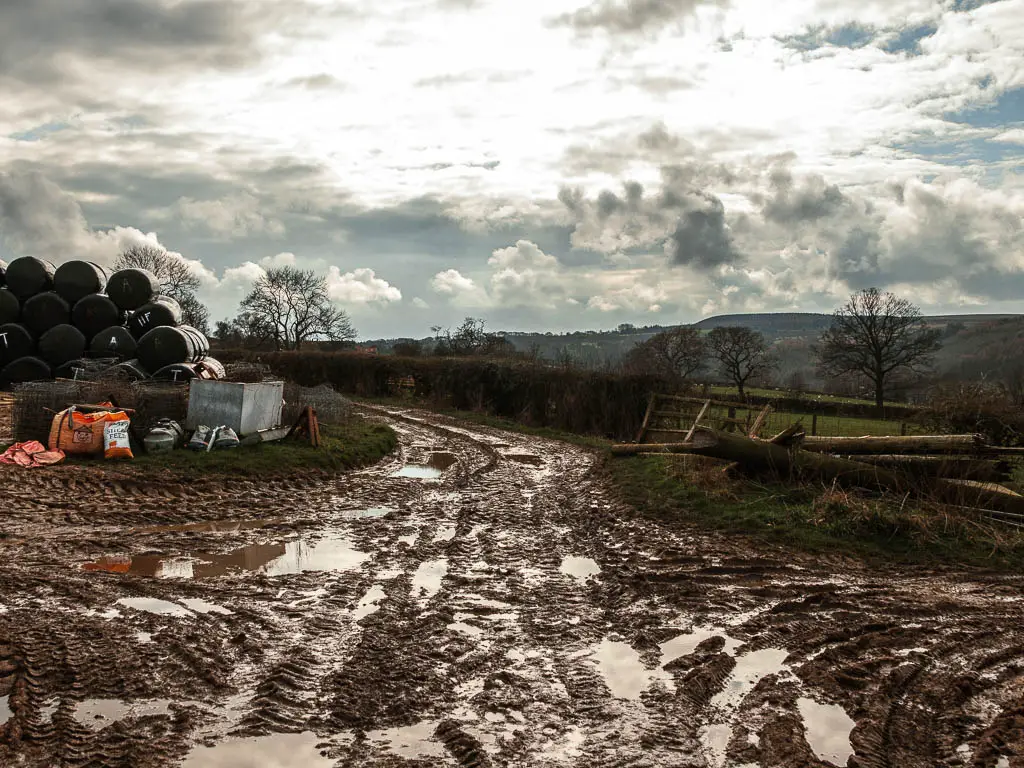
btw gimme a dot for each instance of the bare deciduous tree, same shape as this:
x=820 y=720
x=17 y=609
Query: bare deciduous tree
x=291 y=306
x=177 y=280
x=876 y=335
x=678 y=353
x=742 y=354
x=470 y=338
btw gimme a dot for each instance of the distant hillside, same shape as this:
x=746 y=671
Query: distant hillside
x=773 y=325
x=974 y=346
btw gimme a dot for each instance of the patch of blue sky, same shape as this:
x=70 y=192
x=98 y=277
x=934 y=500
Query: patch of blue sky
x=960 y=152
x=970 y=5
x=908 y=40
x=844 y=36
x=1005 y=111
x=40 y=132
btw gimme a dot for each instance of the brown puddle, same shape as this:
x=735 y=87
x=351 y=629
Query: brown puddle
x=326 y=554
x=211 y=526
x=436 y=464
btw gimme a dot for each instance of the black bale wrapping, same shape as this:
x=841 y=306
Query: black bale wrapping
x=10 y=307
x=129 y=370
x=162 y=311
x=74 y=280
x=3 y=273
x=44 y=311
x=178 y=372
x=131 y=288
x=27 y=276
x=167 y=345
x=24 y=369
x=61 y=344
x=114 y=341
x=15 y=341
x=95 y=313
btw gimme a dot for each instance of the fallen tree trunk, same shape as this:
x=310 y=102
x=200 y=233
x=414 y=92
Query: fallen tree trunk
x=961 y=467
x=891 y=445
x=763 y=456
x=633 y=449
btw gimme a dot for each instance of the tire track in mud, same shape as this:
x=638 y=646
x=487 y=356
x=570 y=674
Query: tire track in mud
x=510 y=612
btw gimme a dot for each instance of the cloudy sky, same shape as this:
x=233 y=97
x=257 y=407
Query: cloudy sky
x=550 y=165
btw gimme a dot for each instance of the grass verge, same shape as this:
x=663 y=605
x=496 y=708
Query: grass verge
x=814 y=519
x=358 y=443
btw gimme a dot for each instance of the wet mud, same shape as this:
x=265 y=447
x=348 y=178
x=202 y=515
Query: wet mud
x=478 y=599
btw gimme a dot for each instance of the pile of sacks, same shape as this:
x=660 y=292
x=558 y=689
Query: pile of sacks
x=53 y=319
x=92 y=432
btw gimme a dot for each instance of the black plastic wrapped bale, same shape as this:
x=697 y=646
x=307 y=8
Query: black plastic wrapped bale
x=61 y=344
x=167 y=345
x=114 y=341
x=15 y=341
x=178 y=372
x=73 y=369
x=3 y=272
x=74 y=280
x=212 y=369
x=24 y=369
x=44 y=311
x=27 y=276
x=95 y=313
x=131 y=288
x=10 y=307
x=129 y=370
x=163 y=311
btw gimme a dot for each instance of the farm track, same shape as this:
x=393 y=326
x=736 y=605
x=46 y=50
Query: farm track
x=445 y=626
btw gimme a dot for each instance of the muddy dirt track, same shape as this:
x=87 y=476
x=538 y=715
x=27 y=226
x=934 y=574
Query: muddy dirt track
x=507 y=612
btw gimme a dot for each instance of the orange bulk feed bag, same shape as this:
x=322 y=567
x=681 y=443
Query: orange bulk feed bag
x=116 y=439
x=78 y=433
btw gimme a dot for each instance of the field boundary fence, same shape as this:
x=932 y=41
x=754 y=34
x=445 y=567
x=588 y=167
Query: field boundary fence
x=675 y=414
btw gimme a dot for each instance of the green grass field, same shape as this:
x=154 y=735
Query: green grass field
x=733 y=393
x=831 y=426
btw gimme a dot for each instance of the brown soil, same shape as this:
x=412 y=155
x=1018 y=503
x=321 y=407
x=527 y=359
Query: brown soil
x=511 y=612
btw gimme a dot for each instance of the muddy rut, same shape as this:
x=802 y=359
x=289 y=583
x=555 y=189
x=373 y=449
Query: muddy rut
x=478 y=599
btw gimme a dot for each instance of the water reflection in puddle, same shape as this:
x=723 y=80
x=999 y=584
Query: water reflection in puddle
x=99 y=713
x=750 y=668
x=279 y=750
x=211 y=526
x=828 y=730
x=684 y=645
x=327 y=554
x=436 y=464
x=153 y=605
x=370 y=602
x=623 y=672
x=427 y=580
x=580 y=568
x=201 y=606
x=445 y=533
x=412 y=741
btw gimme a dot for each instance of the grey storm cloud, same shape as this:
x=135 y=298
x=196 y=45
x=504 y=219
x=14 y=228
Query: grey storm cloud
x=797 y=201
x=631 y=16
x=682 y=217
x=702 y=239
x=36 y=216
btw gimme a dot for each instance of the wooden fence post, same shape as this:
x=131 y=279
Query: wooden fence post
x=814 y=424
